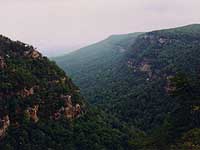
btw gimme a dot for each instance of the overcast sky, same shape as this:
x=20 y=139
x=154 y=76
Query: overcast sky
x=59 y=26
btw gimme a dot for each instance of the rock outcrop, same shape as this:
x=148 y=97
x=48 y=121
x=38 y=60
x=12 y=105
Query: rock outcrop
x=145 y=67
x=69 y=110
x=169 y=86
x=4 y=124
x=56 y=81
x=162 y=40
x=153 y=39
x=26 y=92
x=30 y=89
x=31 y=113
x=63 y=80
x=33 y=54
x=2 y=63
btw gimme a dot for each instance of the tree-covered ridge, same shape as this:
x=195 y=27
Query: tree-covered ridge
x=180 y=128
x=146 y=86
x=28 y=80
x=89 y=63
x=41 y=108
x=149 y=64
x=136 y=86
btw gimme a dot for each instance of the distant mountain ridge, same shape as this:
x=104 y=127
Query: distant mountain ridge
x=144 y=90
x=133 y=72
x=104 y=54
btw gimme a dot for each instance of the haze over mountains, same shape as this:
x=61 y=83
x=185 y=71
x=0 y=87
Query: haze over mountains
x=130 y=75
x=138 y=91
x=109 y=57
x=121 y=75
x=60 y=25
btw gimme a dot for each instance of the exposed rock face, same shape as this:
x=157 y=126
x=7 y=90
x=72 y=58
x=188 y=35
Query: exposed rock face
x=196 y=108
x=25 y=92
x=145 y=67
x=162 y=40
x=54 y=82
x=33 y=54
x=30 y=88
x=68 y=111
x=32 y=113
x=71 y=111
x=4 y=124
x=77 y=110
x=63 y=80
x=77 y=91
x=169 y=86
x=152 y=39
x=2 y=63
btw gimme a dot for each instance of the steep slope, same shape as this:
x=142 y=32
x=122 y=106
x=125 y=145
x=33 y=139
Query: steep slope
x=40 y=107
x=136 y=85
x=88 y=65
x=29 y=80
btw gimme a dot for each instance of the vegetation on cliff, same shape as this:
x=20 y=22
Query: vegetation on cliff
x=136 y=86
x=41 y=108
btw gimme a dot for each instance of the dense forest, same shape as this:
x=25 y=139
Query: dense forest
x=41 y=108
x=146 y=80
x=137 y=92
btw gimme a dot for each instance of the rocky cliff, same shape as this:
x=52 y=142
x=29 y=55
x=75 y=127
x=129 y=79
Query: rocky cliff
x=33 y=88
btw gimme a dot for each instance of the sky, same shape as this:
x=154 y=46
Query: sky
x=56 y=27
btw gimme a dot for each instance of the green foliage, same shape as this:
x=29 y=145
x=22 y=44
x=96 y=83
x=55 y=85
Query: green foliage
x=105 y=78
x=115 y=81
x=94 y=129
x=134 y=109
x=189 y=140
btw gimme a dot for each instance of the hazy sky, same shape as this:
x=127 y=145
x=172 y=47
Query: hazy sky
x=58 y=26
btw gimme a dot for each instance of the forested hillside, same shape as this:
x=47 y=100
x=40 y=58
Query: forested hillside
x=135 y=81
x=40 y=107
x=89 y=65
x=144 y=89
